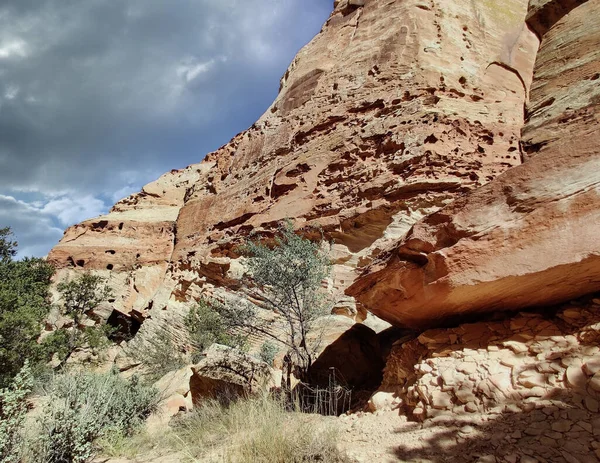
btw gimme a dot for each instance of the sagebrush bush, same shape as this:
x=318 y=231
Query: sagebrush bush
x=82 y=407
x=13 y=408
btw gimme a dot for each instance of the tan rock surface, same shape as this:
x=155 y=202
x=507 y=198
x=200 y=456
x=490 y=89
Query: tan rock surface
x=531 y=236
x=226 y=374
x=390 y=113
x=515 y=388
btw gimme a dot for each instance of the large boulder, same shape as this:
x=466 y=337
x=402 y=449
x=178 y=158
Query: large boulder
x=530 y=237
x=174 y=391
x=225 y=374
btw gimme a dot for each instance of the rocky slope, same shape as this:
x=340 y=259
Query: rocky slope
x=393 y=111
x=530 y=237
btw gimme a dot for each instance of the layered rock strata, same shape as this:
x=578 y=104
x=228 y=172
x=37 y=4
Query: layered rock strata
x=394 y=110
x=530 y=237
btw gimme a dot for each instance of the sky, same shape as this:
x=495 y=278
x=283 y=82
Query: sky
x=100 y=97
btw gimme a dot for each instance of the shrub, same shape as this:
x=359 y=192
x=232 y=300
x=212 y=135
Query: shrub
x=83 y=407
x=13 y=408
x=288 y=278
x=80 y=296
x=159 y=353
x=268 y=351
x=24 y=303
x=206 y=326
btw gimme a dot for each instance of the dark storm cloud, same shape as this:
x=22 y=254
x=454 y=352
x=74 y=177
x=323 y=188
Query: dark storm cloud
x=98 y=97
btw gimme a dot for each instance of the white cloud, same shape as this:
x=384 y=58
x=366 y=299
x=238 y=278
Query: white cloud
x=35 y=231
x=38 y=224
x=13 y=48
x=71 y=210
x=11 y=92
x=190 y=71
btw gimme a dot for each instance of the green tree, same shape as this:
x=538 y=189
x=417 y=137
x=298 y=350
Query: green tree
x=206 y=326
x=80 y=296
x=24 y=304
x=288 y=278
x=8 y=247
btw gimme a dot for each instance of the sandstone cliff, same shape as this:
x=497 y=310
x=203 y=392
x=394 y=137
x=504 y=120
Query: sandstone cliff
x=448 y=151
x=530 y=237
x=393 y=111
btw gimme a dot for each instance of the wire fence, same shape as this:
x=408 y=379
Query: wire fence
x=332 y=400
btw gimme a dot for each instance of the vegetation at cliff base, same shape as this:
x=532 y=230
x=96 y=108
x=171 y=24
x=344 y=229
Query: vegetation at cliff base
x=24 y=304
x=259 y=429
x=288 y=278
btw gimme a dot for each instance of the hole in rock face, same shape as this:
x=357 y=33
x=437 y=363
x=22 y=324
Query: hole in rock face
x=126 y=327
x=110 y=267
x=111 y=252
x=80 y=263
x=431 y=139
x=121 y=226
x=100 y=225
x=462 y=80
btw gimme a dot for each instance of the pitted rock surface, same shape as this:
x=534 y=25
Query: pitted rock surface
x=390 y=113
x=530 y=237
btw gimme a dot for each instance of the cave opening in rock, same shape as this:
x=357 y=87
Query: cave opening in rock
x=125 y=327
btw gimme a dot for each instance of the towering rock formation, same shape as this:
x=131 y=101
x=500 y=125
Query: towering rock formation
x=530 y=237
x=393 y=111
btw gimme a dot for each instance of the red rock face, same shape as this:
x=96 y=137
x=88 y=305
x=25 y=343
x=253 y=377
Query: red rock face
x=393 y=111
x=530 y=237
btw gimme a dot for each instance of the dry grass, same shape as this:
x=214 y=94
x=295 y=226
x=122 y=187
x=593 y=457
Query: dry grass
x=254 y=430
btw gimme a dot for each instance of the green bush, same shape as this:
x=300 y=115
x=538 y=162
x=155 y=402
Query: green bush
x=268 y=351
x=83 y=407
x=206 y=327
x=13 y=408
x=24 y=303
x=79 y=296
x=159 y=353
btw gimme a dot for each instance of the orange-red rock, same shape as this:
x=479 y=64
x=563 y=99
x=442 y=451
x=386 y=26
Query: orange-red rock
x=390 y=113
x=530 y=237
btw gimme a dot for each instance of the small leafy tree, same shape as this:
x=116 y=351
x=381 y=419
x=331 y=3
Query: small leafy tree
x=24 y=303
x=268 y=351
x=13 y=408
x=288 y=278
x=206 y=326
x=83 y=294
x=80 y=296
x=8 y=247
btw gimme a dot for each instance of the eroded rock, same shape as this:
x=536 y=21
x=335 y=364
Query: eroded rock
x=394 y=110
x=528 y=238
x=225 y=374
